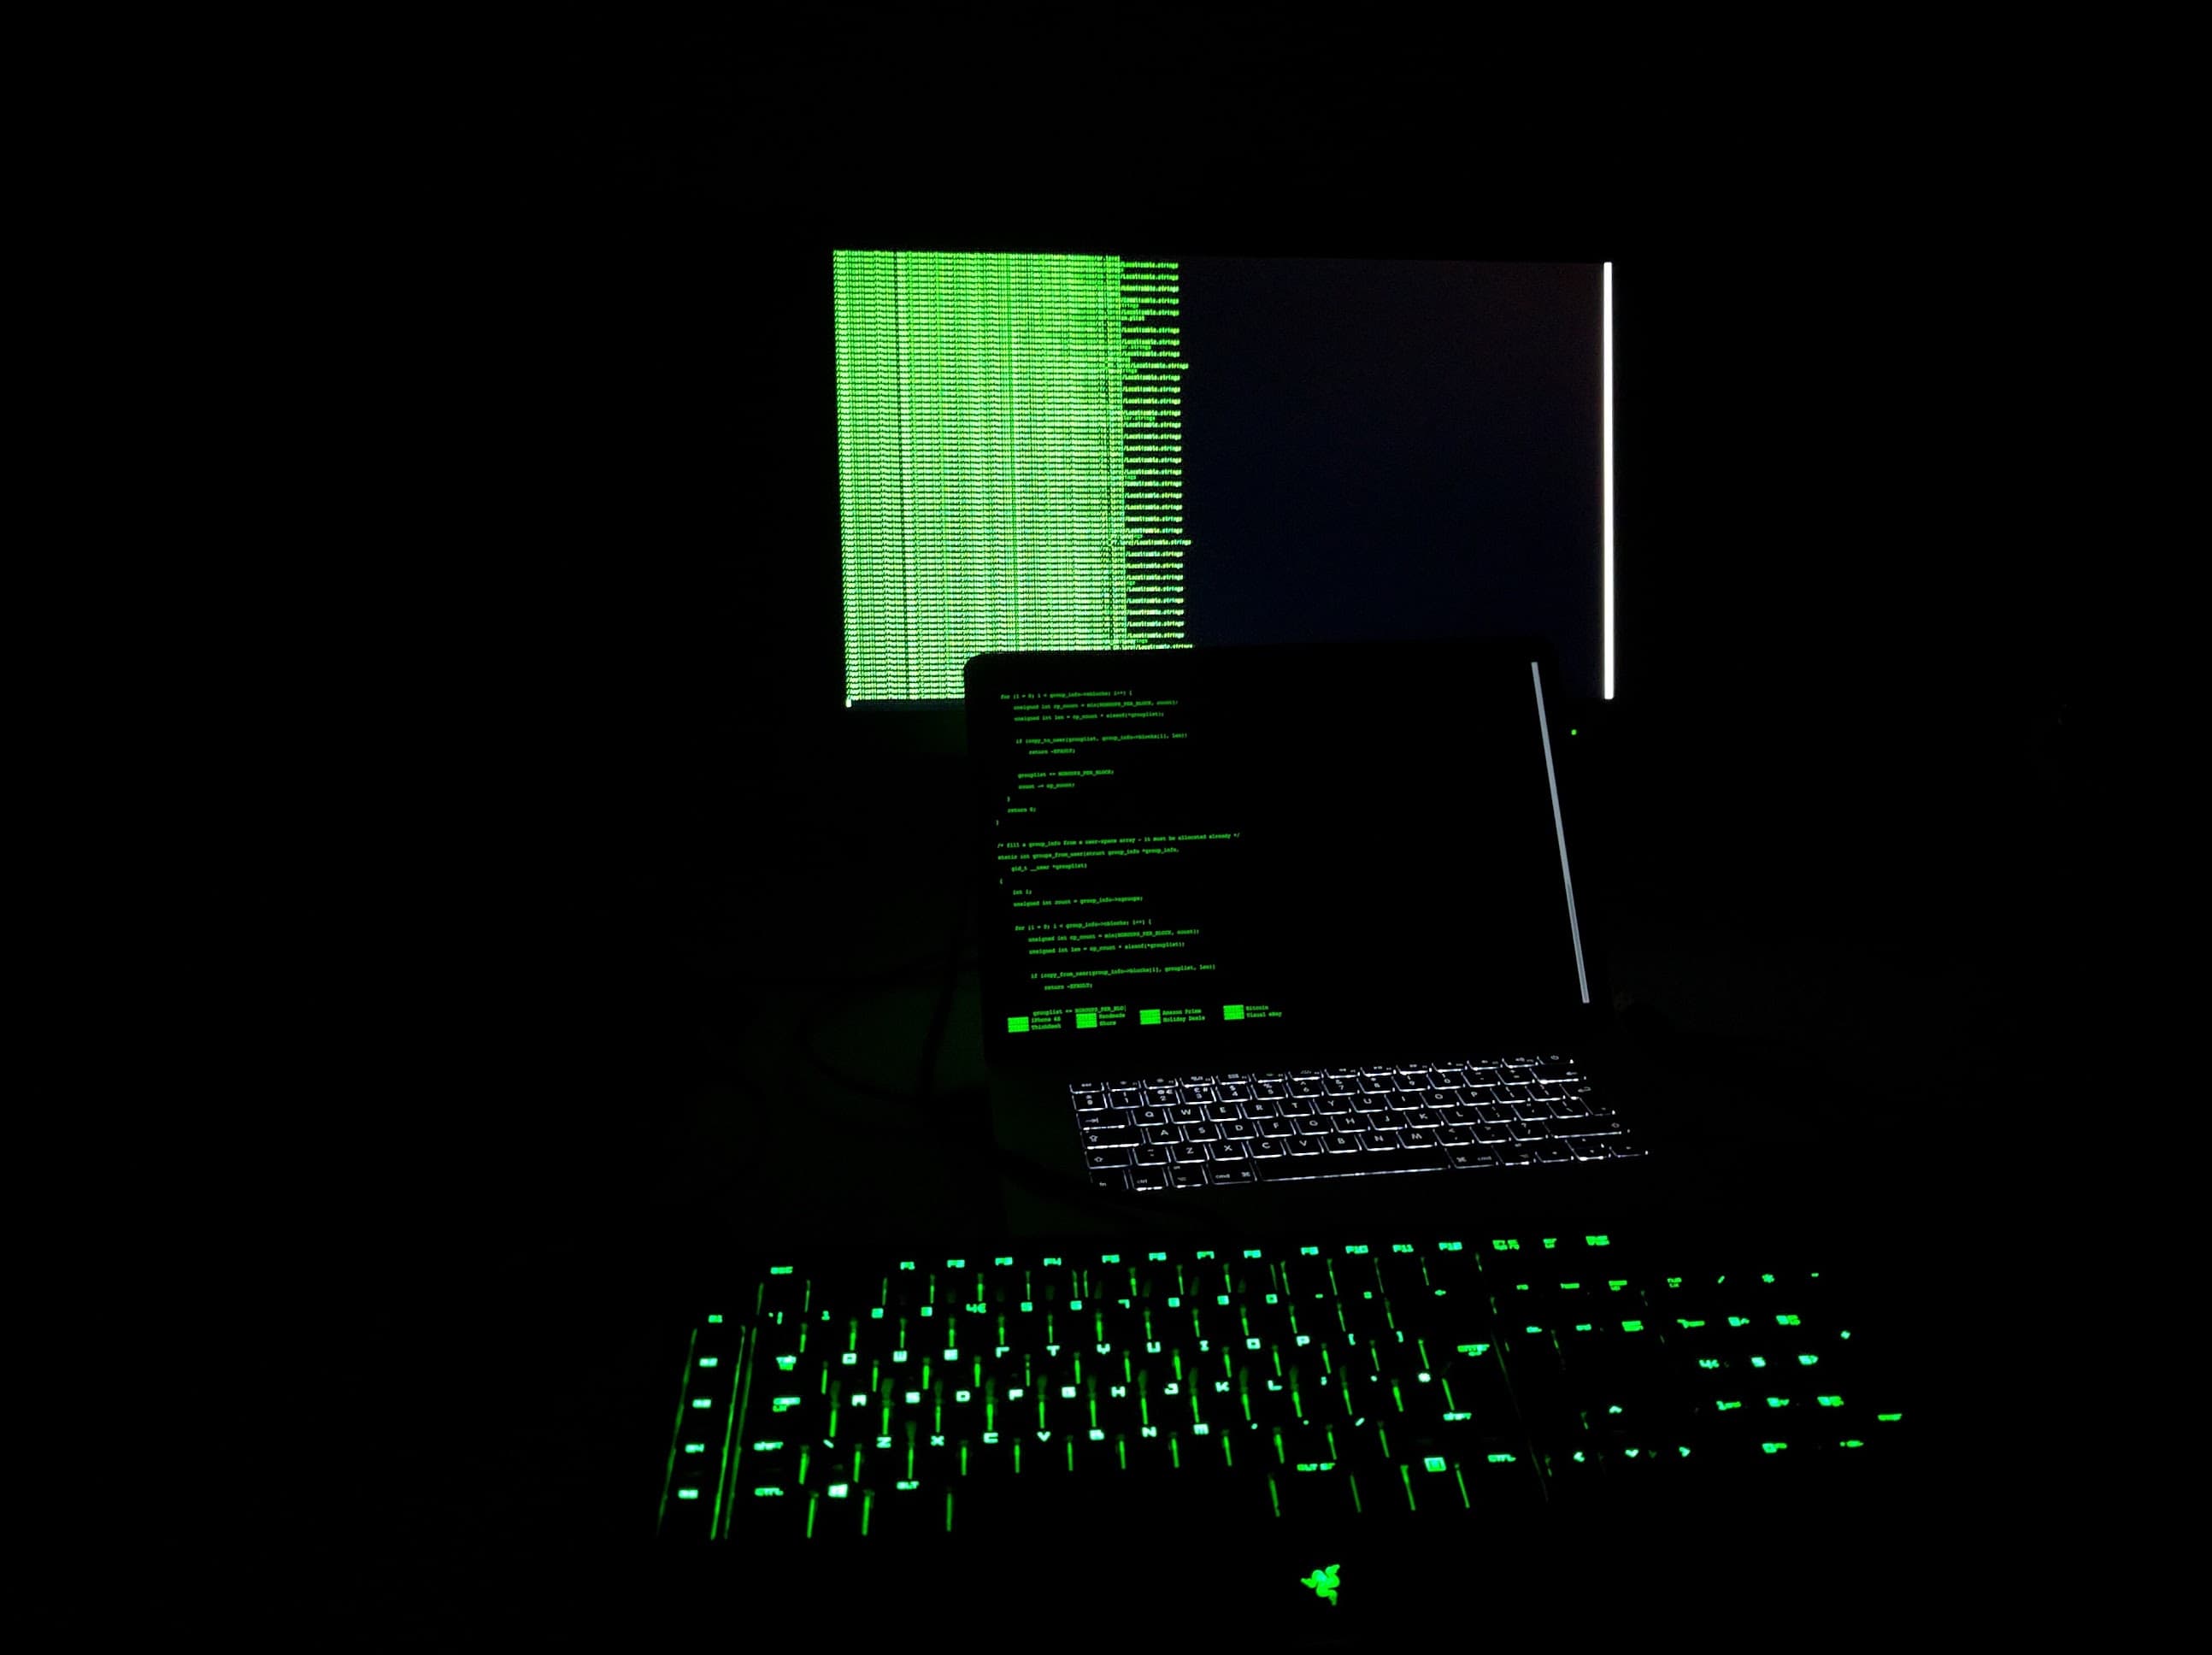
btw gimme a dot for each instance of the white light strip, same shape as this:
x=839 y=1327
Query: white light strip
x=1560 y=828
x=1609 y=481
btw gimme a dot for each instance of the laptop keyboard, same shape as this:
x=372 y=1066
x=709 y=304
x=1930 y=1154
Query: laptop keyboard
x=1184 y=1131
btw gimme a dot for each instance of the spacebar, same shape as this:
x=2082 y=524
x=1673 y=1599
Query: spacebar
x=1350 y=1166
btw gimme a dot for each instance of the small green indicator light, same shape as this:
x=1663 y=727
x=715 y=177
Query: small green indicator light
x=1572 y=730
x=717 y=1319
x=1232 y=1014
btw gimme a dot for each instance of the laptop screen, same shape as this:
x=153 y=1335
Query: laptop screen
x=1329 y=853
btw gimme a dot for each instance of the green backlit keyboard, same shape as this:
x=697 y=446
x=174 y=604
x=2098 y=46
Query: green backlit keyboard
x=1384 y=1398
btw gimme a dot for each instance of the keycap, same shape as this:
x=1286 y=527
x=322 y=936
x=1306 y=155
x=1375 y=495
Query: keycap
x=1095 y=1159
x=1148 y=1177
x=1240 y=1172
x=1149 y=1155
x=1470 y=1156
x=1104 y=1137
x=1187 y=1177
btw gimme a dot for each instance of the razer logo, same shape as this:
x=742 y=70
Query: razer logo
x=1323 y=1581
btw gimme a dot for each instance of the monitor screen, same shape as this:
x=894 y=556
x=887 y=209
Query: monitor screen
x=1114 y=451
x=1332 y=849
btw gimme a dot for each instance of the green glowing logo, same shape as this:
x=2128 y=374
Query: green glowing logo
x=1323 y=1581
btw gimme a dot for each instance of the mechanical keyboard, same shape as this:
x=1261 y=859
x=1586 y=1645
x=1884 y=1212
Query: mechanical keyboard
x=1238 y=1420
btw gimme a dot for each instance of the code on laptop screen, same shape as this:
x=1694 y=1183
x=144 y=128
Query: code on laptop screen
x=1289 y=847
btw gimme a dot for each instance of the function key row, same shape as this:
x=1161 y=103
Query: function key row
x=1383 y=1077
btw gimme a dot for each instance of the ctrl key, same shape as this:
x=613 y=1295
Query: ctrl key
x=1148 y=1177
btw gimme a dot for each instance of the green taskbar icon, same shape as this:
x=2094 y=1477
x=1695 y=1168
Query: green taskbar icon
x=1323 y=1581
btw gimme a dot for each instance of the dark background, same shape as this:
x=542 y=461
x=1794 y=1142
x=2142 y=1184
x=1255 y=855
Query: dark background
x=664 y=956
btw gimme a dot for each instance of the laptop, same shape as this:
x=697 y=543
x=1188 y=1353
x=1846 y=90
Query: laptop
x=1363 y=1387
x=1276 y=933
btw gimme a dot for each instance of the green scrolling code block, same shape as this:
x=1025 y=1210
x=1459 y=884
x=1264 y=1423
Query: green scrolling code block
x=1009 y=460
